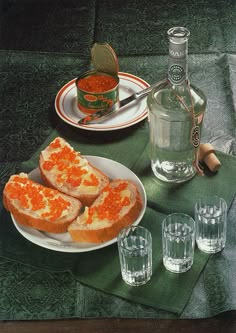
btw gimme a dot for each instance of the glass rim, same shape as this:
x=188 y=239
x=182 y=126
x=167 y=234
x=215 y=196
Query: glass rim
x=190 y=219
x=206 y=197
x=122 y=234
x=178 y=32
x=179 y=214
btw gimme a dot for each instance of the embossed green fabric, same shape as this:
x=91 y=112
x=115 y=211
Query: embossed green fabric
x=43 y=45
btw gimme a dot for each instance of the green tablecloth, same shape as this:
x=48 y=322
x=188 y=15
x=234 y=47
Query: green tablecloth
x=100 y=269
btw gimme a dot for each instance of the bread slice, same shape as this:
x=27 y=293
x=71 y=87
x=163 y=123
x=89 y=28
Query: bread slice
x=37 y=206
x=66 y=170
x=118 y=206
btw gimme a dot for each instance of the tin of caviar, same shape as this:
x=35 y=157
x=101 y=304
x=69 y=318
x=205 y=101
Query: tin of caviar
x=98 y=89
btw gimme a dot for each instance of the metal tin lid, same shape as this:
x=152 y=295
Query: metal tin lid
x=104 y=58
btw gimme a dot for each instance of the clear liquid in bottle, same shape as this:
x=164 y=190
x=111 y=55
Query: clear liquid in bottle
x=170 y=121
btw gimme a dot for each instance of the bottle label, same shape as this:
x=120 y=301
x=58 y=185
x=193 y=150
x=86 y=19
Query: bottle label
x=176 y=74
x=177 y=69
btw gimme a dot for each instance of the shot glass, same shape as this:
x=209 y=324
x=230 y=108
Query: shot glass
x=135 y=252
x=178 y=242
x=211 y=220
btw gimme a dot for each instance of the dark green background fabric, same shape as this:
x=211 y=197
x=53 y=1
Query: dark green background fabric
x=43 y=45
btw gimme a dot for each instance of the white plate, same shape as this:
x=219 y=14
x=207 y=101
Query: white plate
x=67 y=109
x=63 y=242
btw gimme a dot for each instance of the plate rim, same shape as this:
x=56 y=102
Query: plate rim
x=63 y=247
x=125 y=124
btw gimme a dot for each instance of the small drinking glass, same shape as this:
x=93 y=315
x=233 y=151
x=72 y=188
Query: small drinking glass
x=211 y=218
x=178 y=241
x=135 y=252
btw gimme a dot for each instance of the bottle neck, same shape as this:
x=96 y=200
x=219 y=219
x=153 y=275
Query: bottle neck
x=177 y=64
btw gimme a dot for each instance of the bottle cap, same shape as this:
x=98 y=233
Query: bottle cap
x=104 y=58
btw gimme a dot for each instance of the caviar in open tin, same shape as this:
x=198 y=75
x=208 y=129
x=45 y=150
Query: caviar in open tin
x=98 y=89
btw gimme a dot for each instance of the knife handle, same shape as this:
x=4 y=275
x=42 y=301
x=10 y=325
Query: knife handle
x=144 y=92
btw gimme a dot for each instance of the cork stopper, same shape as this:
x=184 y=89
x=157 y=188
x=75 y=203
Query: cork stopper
x=207 y=154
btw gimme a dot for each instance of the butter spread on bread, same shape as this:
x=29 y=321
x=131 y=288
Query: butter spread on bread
x=66 y=170
x=35 y=205
x=118 y=206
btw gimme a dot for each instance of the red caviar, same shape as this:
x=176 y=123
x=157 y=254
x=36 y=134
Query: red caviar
x=55 y=144
x=66 y=161
x=97 y=83
x=37 y=197
x=92 y=182
x=112 y=204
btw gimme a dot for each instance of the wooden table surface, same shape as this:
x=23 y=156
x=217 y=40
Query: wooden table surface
x=121 y=325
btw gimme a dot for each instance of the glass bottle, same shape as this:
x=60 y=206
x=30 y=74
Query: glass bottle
x=176 y=111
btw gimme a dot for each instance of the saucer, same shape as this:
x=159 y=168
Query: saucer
x=68 y=110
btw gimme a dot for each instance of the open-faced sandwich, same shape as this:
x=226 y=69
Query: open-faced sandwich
x=118 y=206
x=66 y=170
x=40 y=207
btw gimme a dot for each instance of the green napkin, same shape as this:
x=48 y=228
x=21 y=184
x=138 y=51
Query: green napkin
x=100 y=269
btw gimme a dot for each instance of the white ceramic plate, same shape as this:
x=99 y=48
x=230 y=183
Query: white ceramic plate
x=67 y=109
x=63 y=242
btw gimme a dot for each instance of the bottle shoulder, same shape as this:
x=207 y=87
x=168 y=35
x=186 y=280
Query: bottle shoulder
x=171 y=99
